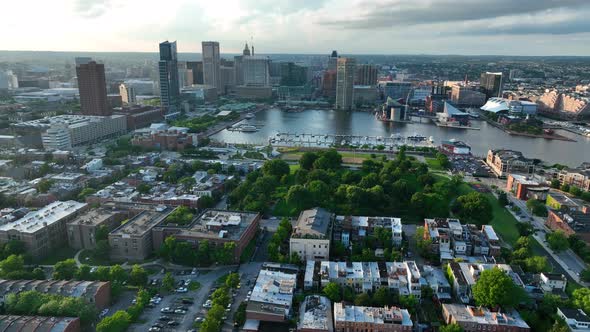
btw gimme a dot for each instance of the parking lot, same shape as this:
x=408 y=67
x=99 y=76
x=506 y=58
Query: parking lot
x=470 y=165
x=182 y=313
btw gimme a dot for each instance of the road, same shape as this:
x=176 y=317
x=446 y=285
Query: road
x=568 y=260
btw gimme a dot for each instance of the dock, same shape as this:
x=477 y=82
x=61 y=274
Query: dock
x=334 y=140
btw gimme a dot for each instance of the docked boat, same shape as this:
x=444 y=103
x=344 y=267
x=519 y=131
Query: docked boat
x=416 y=138
x=249 y=115
x=248 y=128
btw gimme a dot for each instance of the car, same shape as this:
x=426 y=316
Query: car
x=198 y=319
x=173 y=323
x=187 y=282
x=134 y=301
x=94 y=269
x=166 y=310
x=194 y=271
x=104 y=312
x=157 y=325
x=164 y=318
x=229 y=306
x=187 y=301
x=207 y=304
x=249 y=292
x=224 y=318
x=182 y=290
x=150 y=305
x=181 y=307
x=180 y=311
x=154 y=329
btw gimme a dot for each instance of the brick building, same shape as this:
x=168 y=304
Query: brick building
x=357 y=318
x=473 y=319
x=570 y=222
x=39 y=323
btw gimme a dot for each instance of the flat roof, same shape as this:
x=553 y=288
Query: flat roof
x=48 y=215
x=14 y=323
x=93 y=217
x=316 y=313
x=143 y=222
x=481 y=315
x=385 y=315
x=314 y=222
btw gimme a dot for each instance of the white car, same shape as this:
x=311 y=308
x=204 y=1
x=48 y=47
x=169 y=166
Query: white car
x=181 y=290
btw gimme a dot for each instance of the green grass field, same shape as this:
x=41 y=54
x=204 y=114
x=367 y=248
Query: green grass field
x=433 y=164
x=503 y=222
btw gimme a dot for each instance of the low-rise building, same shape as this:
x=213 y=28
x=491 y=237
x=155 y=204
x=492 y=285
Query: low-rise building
x=315 y=315
x=560 y=201
x=504 y=162
x=95 y=292
x=170 y=138
x=436 y=279
x=272 y=296
x=575 y=319
x=473 y=319
x=465 y=276
x=82 y=230
x=552 y=282
x=39 y=323
x=44 y=230
x=357 y=318
x=351 y=229
x=133 y=240
x=525 y=188
x=579 y=177
x=218 y=227
x=455 y=147
x=311 y=235
x=570 y=222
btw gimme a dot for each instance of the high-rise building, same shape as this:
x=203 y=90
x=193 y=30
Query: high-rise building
x=168 y=68
x=93 y=89
x=239 y=67
x=491 y=84
x=128 y=95
x=197 y=69
x=365 y=75
x=333 y=60
x=256 y=70
x=344 y=83
x=211 y=64
x=293 y=74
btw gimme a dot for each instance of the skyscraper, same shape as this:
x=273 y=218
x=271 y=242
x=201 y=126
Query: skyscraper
x=256 y=70
x=238 y=65
x=168 y=68
x=127 y=93
x=93 y=89
x=197 y=68
x=344 y=82
x=491 y=84
x=211 y=64
x=333 y=60
x=365 y=75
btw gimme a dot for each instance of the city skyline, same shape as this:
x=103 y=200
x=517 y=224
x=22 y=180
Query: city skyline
x=311 y=27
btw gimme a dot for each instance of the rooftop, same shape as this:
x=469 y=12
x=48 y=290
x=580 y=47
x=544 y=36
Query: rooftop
x=464 y=313
x=314 y=223
x=62 y=287
x=385 y=315
x=48 y=215
x=69 y=120
x=273 y=291
x=143 y=222
x=10 y=323
x=93 y=217
x=315 y=313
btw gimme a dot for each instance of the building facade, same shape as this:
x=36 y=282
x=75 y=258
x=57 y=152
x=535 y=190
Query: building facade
x=474 y=319
x=211 y=64
x=504 y=162
x=311 y=235
x=344 y=83
x=356 y=318
x=365 y=74
x=93 y=89
x=39 y=323
x=168 y=71
x=128 y=95
x=491 y=84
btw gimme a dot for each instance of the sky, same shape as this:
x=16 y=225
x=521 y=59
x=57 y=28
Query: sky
x=510 y=27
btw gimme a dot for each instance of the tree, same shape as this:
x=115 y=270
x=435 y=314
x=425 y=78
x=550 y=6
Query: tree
x=138 y=276
x=451 y=328
x=555 y=184
x=565 y=187
x=65 y=270
x=85 y=193
x=422 y=244
x=307 y=159
x=503 y=199
x=558 y=241
x=299 y=197
x=38 y=274
x=102 y=249
x=143 y=188
x=320 y=192
x=537 y=264
x=362 y=299
x=102 y=233
x=443 y=160
x=410 y=302
x=117 y=274
x=581 y=299
x=585 y=275
x=83 y=272
x=276 y=167
x=537 y=207
x=44 y=185
x=333 y=291
x=168 y=281
x=187 y=182
x=232 y=280
x=12 y=263
x=118 y=322
x=382 y=297
x=495 y=288
x=225 y=255
x=473 y=208
x=102 y=273
x=575 y=191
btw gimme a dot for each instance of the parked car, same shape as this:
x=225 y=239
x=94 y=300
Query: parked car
x=166 y=310
x=173 y=323
x=180 y=311
x=187 y=301
x=164 y=318
x=182 y=290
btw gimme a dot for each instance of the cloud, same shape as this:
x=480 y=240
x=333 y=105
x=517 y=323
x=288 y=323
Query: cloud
x=91 y=8
x=396 y=13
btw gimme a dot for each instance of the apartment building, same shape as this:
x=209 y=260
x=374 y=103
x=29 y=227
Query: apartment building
x=315 y=314
x=552 y=282
x=272 y=296
x=579 y=177
x=133 y=240
x=570 y=222
x=311 y=235
x=216 y=226
x=96 y=292
x=450 y=239
x=39 y=323
x=82 y=230
x=504 y=162
x=525 y=188
x=436 y=279
x=576 y=319
x=475 y=319
x=351 y=229
x=43 y=230
x=356 y=318
x=560 y=201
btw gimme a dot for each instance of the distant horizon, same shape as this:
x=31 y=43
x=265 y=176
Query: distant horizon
x=320 y=54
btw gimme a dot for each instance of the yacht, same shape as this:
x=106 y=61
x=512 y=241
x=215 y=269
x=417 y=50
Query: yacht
x=416 y=138
x=248 y=128
x=249 y=115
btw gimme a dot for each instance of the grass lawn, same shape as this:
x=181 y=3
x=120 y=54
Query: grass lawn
x=87 y=257
x=503 y=222
x=58 y=255
x=294 y=167
x=194 y=285
x=433 y=164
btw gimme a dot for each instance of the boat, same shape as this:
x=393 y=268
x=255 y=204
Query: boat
x=431 y=139
x=549 y=131
x=416 y=138
x=248 y=128
x=249 y=115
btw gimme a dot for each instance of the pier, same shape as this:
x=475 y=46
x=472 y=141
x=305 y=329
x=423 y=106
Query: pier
x=334 y=140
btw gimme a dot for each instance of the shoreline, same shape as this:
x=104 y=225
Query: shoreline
x=516 y=133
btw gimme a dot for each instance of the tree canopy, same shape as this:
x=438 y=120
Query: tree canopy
x=495 y=288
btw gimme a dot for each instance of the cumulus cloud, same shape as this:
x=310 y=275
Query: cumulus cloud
x=91 y=8
x=396 y=13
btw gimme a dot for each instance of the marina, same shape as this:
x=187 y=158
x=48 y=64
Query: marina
x=323 y=122
x=353 y=141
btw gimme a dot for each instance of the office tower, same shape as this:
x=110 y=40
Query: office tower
x=211 y=64
x=82 y=60
x=197 y=69
x=128 y=95
x=256 y=70
x=333 y=60
x=365 y=75
x=92 y=88
x=8 y=80
x=491 y=84
x=293 y=74
x=185 y=75
x=168 y=68
x=344 y=82
x=238 y=65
